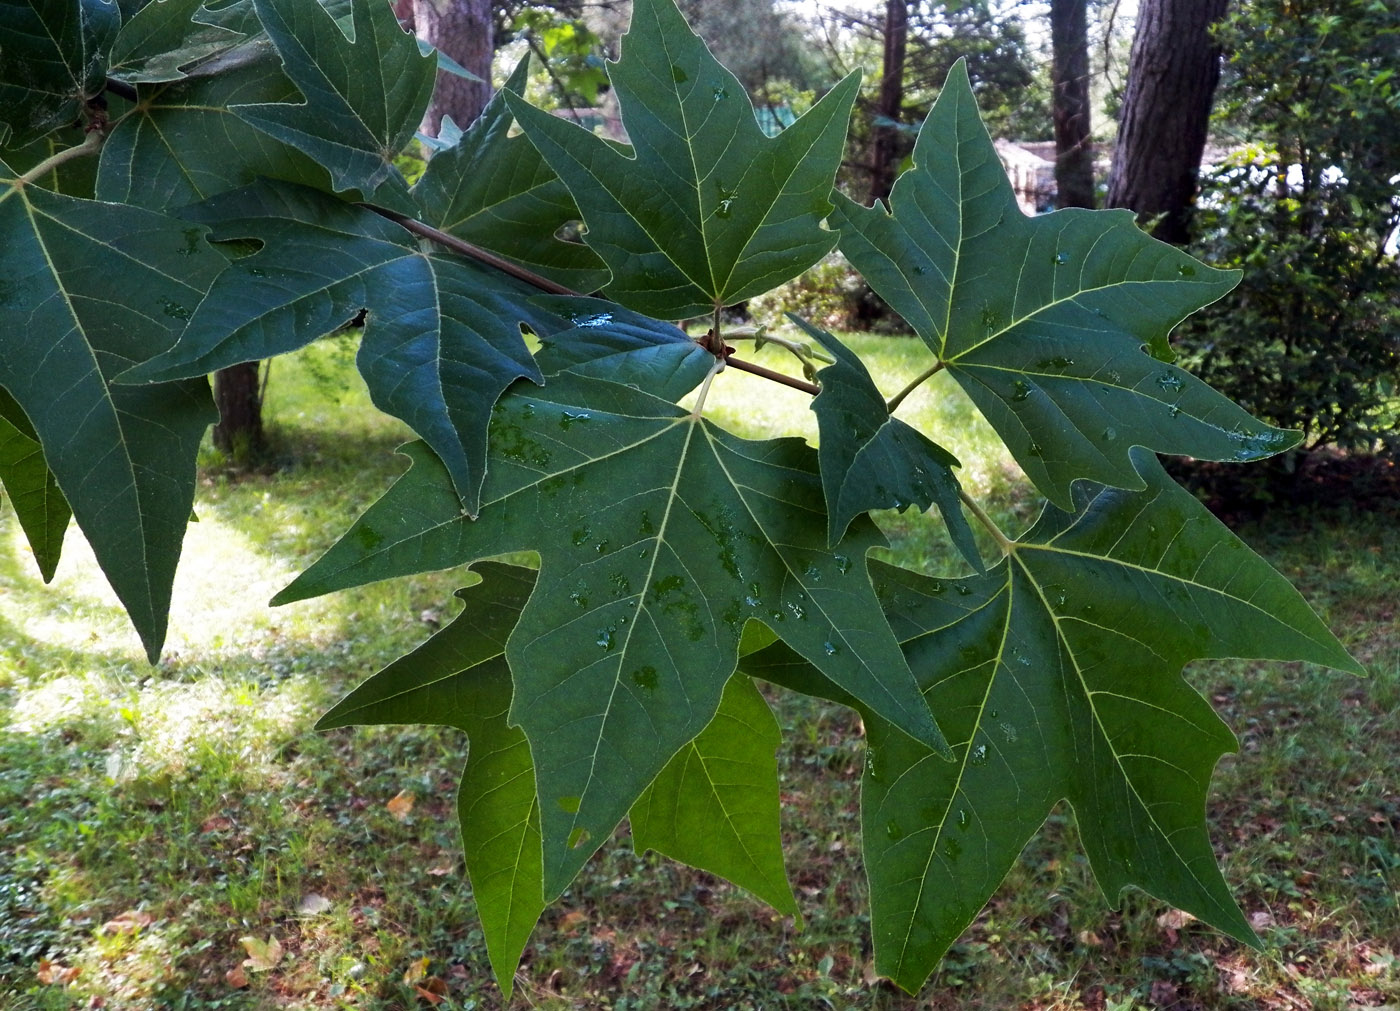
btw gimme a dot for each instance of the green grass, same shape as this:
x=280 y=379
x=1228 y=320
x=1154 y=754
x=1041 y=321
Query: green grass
x=194 y=798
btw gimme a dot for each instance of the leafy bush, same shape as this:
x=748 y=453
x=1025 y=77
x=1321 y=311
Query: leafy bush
x=1310 y=339
x=829 y=294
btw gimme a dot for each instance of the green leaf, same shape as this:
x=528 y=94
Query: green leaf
x=715 y=805
x=1056 y=326
x=364 y=98
x=442 y=334
x=42 y=510
x=659 y=537
x=1057 y=675
x=166 y=38
x=872 y=460
x=86 y=290
x=184 y=144
x=495 y=190
x=459 y=678
x=706 y=210
x=53 y=57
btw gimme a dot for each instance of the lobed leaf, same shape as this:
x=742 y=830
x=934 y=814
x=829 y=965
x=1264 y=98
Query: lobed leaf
x=872 y=460
x=1057 y=676
x=495 y=190
x=164 y=39
x=705 y=210
x=715 y=804
x=442 y=334
x=87 y=289
x=53 y=57
x=459 y=678
x=659 y=537
x=1056 y=326
x=364 y=98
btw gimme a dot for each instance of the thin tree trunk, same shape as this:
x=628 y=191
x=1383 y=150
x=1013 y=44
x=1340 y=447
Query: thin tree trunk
x=884 y=155
x=463 y=30
x=239 y=433
x=1074 y=153
x=1173 y=71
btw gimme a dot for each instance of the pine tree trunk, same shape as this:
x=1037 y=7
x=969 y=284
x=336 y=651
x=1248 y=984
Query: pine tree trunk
x=239 y=433
x=884 y=155
x=1074 y=153
x=463 y=30
x=1173 y=70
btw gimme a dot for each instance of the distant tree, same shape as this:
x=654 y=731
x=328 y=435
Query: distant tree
x=1173 y=72
x=464 y=30
x=1074 y=153
x=1307 y=202
x=889 y=107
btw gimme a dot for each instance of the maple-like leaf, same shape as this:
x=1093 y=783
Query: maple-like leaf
x=166 y=39
x=88 y=289
x=494 y=189
x=1057 y=675
x=872 y=460
x=442 y=334
x=722 y=788
x=705 y=210
x=659 y=537
x=1056 y=325
x=41 y=508
x=364 y=98
x=183 y=143
x=53 y=57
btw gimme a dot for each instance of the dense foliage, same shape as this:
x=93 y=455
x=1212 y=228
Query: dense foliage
x=1307 y=200
x=246 y=202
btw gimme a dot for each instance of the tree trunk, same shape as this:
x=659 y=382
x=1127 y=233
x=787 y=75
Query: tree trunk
x=1172 y=74
x=239 y=433
x=463 y=30
x=884 y=154
x=1074 y=153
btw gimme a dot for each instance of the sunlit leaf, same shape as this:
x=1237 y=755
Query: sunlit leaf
x=1056 y=326
x=1058 y=675
x=659 y=536
x=706 y=210
x=165 y=38
x=42 y=511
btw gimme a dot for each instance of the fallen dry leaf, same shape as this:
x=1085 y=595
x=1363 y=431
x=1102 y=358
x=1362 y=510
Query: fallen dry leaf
x=216 y=823
x=236 y=977
x=416 y=971
x=1175 y=919
x=401 y=804
x=263 y=956
x=128 y=922
x=54 y=974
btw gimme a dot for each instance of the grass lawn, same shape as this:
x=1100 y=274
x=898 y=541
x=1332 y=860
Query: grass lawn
x=178 y=837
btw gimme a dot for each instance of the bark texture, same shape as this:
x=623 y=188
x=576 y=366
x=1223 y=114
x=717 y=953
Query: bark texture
x=1074 y=153
x=1173 y=70
x=463 y=30
x=885 y=146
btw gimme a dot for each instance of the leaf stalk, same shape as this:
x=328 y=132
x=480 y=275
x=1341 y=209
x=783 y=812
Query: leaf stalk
x=1008 y=546
x=923 y=377
x=91 y=144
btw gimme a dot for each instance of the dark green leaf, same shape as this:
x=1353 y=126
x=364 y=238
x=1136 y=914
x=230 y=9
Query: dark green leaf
x=88 y=289
x=184 y=144
x=164 y=38
x=364 y=98
x=442 y=335
x=53 y=57
x=706 y=210
x=1057 y=675
x=659 y=537
x=496 y=191
x=42 y=510
x=715 y=805
x=1056 y=326
x=459 y=678
x=872 y=460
